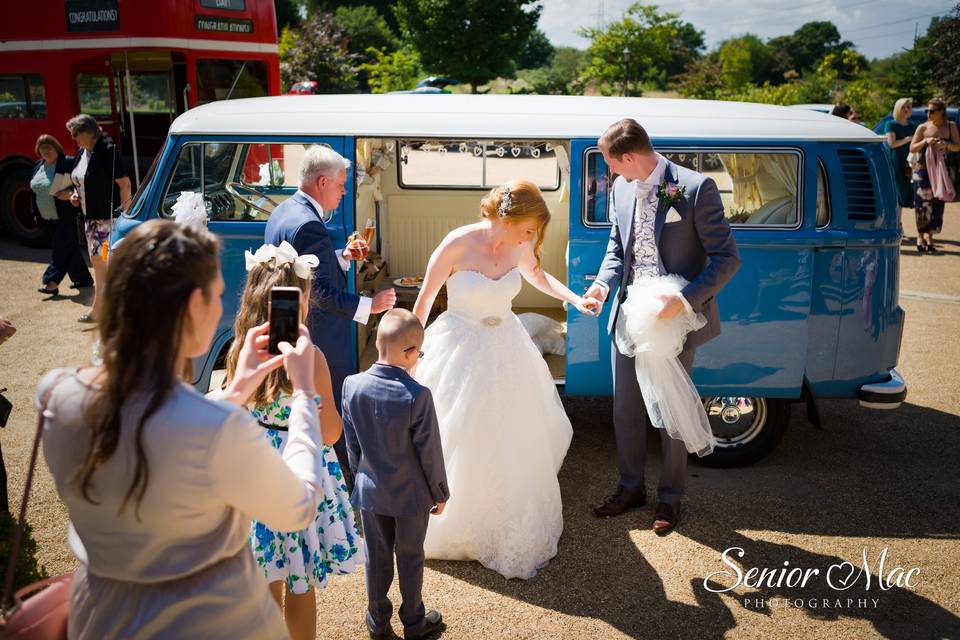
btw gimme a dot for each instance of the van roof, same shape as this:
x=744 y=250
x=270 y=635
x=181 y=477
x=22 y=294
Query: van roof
x=510 y=116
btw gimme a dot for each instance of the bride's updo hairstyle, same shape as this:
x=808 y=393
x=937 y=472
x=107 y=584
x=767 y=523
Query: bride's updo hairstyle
x=515 y=201
x=151 y=276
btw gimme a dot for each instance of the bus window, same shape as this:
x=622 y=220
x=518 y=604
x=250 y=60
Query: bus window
x=476 y=164
x=22 y=97
x=152 y=93
x=93 y=92
x=823 y=197
x=229 y=79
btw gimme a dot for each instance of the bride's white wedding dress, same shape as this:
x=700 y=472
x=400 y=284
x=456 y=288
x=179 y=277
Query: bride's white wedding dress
x=503 y=429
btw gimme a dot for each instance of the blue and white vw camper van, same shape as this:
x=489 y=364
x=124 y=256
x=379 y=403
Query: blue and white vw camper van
x=812 y=313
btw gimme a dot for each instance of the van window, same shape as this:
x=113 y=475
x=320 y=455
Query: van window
x=757 y=188
x=206 y=168
x=476 y=164
x=823 y=197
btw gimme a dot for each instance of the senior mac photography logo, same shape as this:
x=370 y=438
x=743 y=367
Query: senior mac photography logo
x=847 y=584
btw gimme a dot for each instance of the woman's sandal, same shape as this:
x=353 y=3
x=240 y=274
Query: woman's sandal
x=86 y=318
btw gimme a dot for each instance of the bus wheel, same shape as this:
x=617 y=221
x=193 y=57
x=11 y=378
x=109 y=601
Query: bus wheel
x=746 y=429
x=16 y=209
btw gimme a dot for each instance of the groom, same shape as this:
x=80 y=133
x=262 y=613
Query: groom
x=666 y=219
x=299 y=221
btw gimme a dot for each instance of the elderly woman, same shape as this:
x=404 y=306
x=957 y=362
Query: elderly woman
x=101 y=185
x=56 y=213
x=931 y=180
x=899 y=132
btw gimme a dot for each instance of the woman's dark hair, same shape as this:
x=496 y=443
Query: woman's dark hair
x=938 y=105
x=842 y=111
x=50 y=141
x=150 y=278
x=625 y=136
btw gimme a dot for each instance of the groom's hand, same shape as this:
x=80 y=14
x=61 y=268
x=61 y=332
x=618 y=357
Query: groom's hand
x=597 y=292
x=384 y=301
x=438 y=508
x=672 y=305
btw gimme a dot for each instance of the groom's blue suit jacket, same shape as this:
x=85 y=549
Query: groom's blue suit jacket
x=700 y=246
x=332 y=307
x=393 y=440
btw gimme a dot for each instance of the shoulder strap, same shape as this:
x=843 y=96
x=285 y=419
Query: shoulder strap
x=18 y=535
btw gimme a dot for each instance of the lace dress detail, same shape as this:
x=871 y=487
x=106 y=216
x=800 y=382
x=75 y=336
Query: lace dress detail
x=504 y=431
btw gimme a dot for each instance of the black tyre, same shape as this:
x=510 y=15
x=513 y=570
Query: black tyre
x=747 y=429
x=16 y=210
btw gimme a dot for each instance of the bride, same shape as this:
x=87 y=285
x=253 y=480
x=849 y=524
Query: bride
x=503 y=428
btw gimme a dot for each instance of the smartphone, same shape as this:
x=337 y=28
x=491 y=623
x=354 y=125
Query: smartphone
x=284 y=317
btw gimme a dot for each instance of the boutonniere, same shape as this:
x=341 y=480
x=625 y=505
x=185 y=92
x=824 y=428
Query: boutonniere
x=670 y=192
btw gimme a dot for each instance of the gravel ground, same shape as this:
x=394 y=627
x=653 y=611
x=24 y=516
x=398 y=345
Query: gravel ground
x=869 y=480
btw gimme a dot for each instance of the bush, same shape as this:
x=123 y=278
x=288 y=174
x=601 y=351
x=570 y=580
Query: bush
x=28 y=570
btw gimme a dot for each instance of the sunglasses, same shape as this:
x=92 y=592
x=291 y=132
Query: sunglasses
x=409 y=349
x=933 y=110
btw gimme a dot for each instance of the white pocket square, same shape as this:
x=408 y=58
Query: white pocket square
x=673 y=216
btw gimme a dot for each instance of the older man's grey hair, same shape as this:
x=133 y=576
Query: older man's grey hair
x=320 y=160
x=83 y=123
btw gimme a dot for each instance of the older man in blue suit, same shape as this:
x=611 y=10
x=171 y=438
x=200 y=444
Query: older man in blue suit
x=299 y=221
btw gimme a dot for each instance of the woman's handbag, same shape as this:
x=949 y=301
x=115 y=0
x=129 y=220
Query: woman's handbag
x=42 y=616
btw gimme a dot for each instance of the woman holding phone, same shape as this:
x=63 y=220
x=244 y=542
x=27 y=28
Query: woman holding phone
x=161 y=482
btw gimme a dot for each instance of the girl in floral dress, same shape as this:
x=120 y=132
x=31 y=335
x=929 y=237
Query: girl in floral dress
x=303 y=559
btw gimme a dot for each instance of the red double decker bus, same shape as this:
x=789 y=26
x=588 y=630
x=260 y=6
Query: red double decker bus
x=133 y=64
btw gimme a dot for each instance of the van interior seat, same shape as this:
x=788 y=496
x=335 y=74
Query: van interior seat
x=779 y=211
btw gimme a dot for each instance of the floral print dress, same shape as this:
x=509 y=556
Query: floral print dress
x=330 y=545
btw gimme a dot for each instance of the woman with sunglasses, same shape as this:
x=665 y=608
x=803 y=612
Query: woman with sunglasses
x=931 y=180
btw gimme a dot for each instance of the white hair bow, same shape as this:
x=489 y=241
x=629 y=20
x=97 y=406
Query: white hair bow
x=190 y=210
x=302 y=265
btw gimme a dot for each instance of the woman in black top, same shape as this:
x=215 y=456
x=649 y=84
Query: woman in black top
x=67 y=255
x=101 y=184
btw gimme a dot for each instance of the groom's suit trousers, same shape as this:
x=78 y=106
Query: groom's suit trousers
x=630 y=426
x=383 y=536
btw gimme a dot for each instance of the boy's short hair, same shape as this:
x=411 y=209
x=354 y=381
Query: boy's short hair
x=625 y=136
x=399 y=329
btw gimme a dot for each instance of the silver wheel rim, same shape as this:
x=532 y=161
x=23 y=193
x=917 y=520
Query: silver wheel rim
x=735 y=421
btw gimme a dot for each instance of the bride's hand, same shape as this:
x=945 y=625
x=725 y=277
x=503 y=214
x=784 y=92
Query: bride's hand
x=588 y=306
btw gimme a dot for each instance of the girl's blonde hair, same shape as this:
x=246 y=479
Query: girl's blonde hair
x=255 y=310
x=524 y=201
x=899 y=104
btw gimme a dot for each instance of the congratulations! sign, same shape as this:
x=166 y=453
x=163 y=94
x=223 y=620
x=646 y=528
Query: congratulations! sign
x=92 y=15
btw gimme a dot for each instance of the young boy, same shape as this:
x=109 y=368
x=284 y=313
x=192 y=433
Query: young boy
x=393 y=441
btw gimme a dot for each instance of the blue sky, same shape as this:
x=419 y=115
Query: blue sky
x=878 y=27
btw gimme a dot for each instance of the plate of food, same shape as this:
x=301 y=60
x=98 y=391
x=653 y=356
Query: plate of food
x=409 y=281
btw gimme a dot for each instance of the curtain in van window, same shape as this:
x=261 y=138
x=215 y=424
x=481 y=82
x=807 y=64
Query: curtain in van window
x=743 y=168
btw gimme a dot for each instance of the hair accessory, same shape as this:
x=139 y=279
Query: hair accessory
x=285 y=253
x=190 y=210
x=506 y=202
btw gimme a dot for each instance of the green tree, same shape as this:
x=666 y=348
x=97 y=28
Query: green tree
x=318 y=50
x=633 y=49
x=686 y=49
x=745 y=60
x=537 y=52
x=397 y=71
x=383 y=7
x=473 y=41
x=365 y=28
x=558 y=77
x=945 y=49
x=703 y=79
x=803 y=50
x=288 y=13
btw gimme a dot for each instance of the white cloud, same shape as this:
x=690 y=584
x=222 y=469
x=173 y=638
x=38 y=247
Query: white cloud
x=878 y=27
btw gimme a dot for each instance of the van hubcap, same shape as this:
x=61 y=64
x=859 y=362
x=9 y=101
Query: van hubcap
x=735 y=421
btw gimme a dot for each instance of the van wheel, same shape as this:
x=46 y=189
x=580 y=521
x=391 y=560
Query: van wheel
x=746 y=429
x=16 y=210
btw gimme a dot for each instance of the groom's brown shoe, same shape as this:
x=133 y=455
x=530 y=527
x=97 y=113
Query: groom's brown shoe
x=666 y=519
x=621 y=501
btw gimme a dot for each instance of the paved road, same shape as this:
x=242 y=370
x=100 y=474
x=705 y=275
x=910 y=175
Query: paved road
x=869 y=480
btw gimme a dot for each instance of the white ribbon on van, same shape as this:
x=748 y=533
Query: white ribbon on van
x=671 y=398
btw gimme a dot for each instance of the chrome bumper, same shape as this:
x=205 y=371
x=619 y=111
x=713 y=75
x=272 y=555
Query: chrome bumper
x=884 y=395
